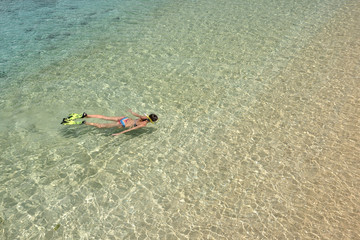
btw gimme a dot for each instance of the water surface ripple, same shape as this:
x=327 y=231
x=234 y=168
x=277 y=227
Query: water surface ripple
x=258 y=135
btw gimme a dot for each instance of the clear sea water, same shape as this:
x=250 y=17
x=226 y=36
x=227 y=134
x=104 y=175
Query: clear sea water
x=259 y=107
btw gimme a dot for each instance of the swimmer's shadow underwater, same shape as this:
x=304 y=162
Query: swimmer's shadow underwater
x=79 y=131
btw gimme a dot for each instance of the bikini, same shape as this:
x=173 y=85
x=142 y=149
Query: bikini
x=124 y=120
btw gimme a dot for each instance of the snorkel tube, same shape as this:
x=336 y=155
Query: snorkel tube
x=149 y=118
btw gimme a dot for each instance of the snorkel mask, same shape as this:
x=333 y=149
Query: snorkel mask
x=149 y=118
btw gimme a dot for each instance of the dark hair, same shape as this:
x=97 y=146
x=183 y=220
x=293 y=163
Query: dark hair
x=153 y=117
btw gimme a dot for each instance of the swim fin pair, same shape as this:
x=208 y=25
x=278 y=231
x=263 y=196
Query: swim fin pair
x=73 y=116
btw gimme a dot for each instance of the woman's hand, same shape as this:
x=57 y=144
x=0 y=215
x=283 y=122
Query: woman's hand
x=135 y=114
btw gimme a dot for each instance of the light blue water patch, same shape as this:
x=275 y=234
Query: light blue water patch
x=35 y=33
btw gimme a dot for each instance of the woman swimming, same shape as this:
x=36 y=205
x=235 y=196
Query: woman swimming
x=120 y=122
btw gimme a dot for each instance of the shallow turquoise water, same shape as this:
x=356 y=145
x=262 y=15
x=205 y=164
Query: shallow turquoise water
x=37 y=33
x=258 y=106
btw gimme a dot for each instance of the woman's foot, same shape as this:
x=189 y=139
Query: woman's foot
x=71 y=122
x=74 y=116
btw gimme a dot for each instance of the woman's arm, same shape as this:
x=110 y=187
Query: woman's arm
x=137 y=127
x=138 y=115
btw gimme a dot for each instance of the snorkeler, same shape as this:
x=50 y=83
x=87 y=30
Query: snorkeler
x=119 y=122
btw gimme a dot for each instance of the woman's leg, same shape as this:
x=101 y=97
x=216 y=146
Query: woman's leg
x=104 y=117
x=103 y=125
